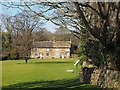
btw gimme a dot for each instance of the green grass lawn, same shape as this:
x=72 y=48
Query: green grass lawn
x=40 y=73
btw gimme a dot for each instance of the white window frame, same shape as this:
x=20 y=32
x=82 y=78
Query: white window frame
x=47 y=49
x=57 y=49
x=67 y=50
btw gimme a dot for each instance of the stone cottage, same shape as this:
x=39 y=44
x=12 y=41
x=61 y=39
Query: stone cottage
x=51 y=49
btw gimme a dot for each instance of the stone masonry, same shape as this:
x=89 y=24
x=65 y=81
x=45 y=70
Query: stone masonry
x=107 y=79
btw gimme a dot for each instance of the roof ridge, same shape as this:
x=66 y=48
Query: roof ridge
x=52 y=44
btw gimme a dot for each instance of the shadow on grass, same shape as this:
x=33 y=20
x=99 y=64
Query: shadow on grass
x=45 y=62
x=51 y=62
x=72 y=84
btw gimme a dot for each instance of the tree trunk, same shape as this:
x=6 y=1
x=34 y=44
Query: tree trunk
x=26 y=61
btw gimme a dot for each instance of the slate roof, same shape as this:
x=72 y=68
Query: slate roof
x=51 y=44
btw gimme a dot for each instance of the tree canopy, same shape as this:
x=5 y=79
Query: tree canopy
x=100 y=21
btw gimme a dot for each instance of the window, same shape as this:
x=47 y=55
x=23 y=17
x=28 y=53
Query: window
x=47 y=49
x=35 y=51
x=57 y=53
x=67 y=50
x=47 y=54
x=57 y=49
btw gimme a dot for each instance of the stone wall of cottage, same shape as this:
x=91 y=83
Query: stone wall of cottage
x=100 y=77
x=53 y=52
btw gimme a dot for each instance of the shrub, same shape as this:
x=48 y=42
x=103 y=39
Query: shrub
x=82 y=58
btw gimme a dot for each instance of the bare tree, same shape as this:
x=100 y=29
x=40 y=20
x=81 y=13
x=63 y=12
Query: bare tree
x=42 y=35
x=62 y=34
x=24 y=25
x=63 y=14
x=100 y=19
x=7 y=34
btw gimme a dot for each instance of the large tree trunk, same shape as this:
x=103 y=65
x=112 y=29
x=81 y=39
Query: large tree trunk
x=102 y=21
x=112 y=59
